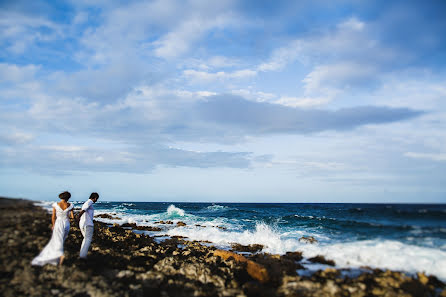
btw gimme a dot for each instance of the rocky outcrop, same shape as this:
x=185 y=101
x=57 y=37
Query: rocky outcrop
x=256 y=271
x=106 y=216
x=251 y=248
x=308 y=239
x=321 y=260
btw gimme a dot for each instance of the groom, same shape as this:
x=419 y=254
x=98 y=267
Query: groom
x=86 y=223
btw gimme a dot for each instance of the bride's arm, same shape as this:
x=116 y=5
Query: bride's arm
x=53 y=218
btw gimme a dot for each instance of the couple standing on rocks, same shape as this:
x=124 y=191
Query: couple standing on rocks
x=52 y=253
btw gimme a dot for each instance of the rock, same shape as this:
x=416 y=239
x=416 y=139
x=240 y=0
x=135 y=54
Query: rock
x=148 y=228
x=252 y=248
x=256 y=271
x=322 y=260
x=106 y=216
x=131 y=225
x=296 y=256
x=308 y=239
x=180 y=224
x=422 y=278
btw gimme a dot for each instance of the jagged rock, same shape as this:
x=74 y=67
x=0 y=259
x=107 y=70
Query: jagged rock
x=256 y=271
x=322 y=260
x=308 y=239
x=148 y=228
x=106 y=216
x=180 y=224
x=252 y=248
x=131 y=225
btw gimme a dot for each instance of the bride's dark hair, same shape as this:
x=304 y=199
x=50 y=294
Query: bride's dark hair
x=65 y=195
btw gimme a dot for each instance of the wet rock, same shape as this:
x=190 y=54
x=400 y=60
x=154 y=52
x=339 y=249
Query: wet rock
x=322 y=260
x=252 y=248
x=164 y=222
x=129 y=225
x=106 y=216
x=308 y=239
x=422 y=278
x=180 y=224
x=256 y=271
x=296 y=256
x=148 y=228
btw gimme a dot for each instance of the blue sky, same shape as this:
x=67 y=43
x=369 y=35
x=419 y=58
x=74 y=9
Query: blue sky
x=229 y=101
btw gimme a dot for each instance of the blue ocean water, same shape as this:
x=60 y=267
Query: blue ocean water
x=407 y=237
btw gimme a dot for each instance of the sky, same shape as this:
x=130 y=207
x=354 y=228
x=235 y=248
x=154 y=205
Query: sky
x=224 y=101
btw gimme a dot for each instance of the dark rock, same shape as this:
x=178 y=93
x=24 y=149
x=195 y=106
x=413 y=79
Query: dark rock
x=180 y=224
x=308 y=239
x=322 y=260
x=129 y=225
x=106 y=216
x=148 y=228
x=252 y=248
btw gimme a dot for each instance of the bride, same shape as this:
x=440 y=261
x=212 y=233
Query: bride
x=52 y=253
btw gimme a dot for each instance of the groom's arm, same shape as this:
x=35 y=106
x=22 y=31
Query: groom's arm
x=78 y=216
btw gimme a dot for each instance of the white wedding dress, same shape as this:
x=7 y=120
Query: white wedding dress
x=54 y=249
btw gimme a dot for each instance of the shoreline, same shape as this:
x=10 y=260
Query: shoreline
x=124 y=263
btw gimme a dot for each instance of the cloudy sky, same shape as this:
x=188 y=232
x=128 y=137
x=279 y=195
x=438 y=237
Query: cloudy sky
x=252 y=101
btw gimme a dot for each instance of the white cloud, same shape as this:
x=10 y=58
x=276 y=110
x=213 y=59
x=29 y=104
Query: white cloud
x=427 y=156
x=305 y=102
x=16 y=74
x=16 y=138
x=19 y=30
x=206 y=77
x=339 y=76
x=254 y=95
x=353 y=24
x=281 y=57
x=177 y=42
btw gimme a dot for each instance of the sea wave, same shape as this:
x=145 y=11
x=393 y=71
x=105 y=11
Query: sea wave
x=173 y=211
x=216 y=207
x=128 y=204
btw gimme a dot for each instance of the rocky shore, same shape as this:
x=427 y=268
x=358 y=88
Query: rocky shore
x=126 y=263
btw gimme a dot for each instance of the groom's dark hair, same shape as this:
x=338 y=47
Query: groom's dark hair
x=65 y=195
x=94 y=195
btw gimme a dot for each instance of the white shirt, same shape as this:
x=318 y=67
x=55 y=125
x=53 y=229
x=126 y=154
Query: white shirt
x=87 y=216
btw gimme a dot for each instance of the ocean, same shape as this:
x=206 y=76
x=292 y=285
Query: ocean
x=404 y=237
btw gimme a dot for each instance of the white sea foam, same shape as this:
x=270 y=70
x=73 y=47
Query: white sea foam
x=173 y=211
x=128 y=204
x=216 y=207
